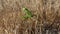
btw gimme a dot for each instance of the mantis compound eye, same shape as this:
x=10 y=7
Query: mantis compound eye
x=24 y=8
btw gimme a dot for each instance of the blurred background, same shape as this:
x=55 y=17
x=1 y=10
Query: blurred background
x=45 y=20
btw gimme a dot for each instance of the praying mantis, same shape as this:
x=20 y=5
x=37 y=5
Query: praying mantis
x=27 y=13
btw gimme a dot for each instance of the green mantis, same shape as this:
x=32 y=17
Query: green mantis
x=27 y=13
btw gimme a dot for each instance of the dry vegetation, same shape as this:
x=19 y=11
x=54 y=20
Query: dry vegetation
x=45 y=20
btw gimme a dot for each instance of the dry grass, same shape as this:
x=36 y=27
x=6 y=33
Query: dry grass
x=45 y=20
